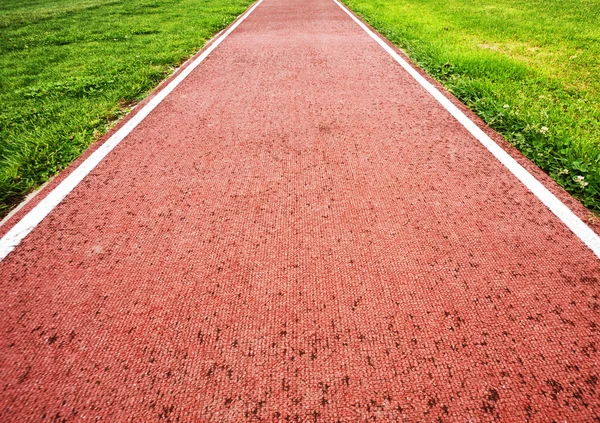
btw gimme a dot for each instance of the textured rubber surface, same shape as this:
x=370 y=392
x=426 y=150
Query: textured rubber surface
x=299 y=232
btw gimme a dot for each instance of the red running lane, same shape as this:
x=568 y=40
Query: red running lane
x=299 y=232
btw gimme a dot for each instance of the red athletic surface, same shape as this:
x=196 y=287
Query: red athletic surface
x=299 y=232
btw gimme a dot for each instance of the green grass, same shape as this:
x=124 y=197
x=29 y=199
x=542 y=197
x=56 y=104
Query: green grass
x=529 y=68
x=70 y=68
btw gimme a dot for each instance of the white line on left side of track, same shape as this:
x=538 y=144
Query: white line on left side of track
x=18 y=232
x=566 y=215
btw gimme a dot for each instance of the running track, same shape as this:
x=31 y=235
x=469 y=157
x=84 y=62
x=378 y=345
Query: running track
x=300 y=232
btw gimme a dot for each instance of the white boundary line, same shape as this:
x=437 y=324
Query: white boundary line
x=574 y=223
x=16 y=234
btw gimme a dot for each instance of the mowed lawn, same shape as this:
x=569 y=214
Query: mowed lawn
x=71 y=68
x=529 y=68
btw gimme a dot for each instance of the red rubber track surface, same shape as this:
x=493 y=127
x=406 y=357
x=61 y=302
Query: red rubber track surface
x=299 y=232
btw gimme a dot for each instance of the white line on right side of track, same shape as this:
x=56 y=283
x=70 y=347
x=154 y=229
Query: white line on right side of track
x=574 y=223
x=28 y=223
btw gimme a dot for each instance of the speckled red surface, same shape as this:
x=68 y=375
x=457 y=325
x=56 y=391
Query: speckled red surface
x=299 y=232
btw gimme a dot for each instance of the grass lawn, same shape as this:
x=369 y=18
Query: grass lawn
x=70 y=68
x=529 y=68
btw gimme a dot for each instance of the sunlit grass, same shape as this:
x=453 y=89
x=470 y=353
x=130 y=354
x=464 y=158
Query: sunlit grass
x=529 y=68
x=71 y=68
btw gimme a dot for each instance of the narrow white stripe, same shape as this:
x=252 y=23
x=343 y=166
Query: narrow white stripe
x=16 y=234
x=583 y=232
